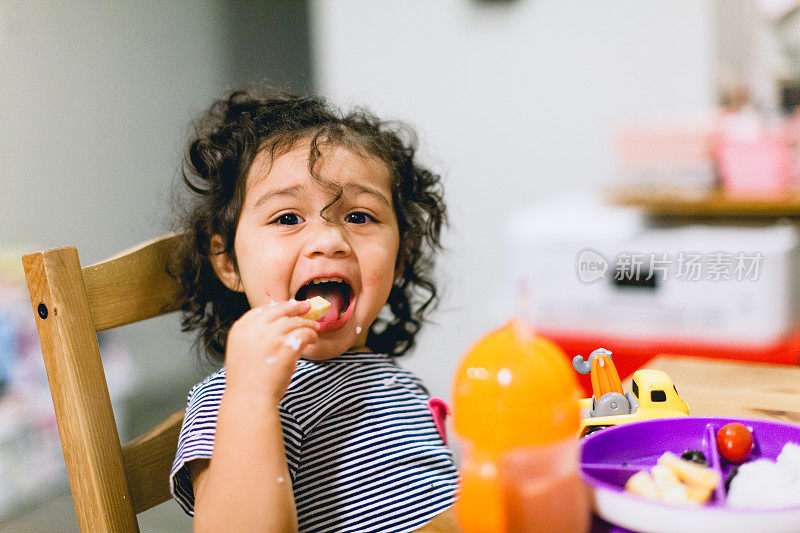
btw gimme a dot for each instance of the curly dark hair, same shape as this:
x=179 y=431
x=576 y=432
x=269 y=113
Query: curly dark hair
x=223 y=146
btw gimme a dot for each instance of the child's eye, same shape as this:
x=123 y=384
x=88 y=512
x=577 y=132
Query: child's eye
x=359 y=217
x=289 y=219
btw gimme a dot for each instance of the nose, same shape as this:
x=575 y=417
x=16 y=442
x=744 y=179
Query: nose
x=327 y=239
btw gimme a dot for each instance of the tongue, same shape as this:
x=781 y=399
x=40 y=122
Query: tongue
x=334 y=296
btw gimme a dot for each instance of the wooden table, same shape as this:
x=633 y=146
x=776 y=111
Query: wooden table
x=719 y=387
x=677 y=201
x=712 y=387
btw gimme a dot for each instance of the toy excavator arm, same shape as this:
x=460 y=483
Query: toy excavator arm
x=604 y=376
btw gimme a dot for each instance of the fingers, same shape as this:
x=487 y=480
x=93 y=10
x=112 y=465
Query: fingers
x=299 y=338
x=290 y=331
x=285 y=324
x=293 y=344
x=297 y=308
x=275 y=309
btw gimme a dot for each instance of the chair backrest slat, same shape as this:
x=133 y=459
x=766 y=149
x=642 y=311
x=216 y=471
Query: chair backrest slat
x=148 y=460
x=86 y=423
x=133 y=285
x=110 y=484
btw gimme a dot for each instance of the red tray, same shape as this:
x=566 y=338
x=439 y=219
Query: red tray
x=631 y=354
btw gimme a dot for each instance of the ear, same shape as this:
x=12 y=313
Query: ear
x=223 y=265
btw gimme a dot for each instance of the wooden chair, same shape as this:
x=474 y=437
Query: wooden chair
x=110 y=483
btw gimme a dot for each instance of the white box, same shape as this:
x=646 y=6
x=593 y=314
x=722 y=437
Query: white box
x=557 y=254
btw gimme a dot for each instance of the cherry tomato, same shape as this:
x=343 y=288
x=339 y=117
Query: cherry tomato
x=734 y=442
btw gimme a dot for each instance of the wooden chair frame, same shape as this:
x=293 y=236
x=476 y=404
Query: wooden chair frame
x=110 y=483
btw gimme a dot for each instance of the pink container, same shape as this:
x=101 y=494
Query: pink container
x=757 y=167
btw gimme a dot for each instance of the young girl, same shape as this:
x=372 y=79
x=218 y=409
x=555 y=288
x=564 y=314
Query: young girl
x=309 y=425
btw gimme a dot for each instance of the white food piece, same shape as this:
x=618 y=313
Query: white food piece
x=643 y=485
x=293 y=342
x=790 y=457
x=698 y=494
x=319 y=308
x=670 y=489
x=764 y=484
x=689 y=472
x=676 y=481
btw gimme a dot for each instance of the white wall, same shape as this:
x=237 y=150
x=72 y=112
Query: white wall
x=95 y=99
x=515 y=102
x=95 y=104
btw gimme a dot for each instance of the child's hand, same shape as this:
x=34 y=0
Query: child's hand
x=264 y=345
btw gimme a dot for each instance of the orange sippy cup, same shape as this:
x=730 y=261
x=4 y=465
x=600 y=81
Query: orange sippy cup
x=515 y=407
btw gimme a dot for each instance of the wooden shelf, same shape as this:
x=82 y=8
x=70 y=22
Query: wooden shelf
x=689 y=202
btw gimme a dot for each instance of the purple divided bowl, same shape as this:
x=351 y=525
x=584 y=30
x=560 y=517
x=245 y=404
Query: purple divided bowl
x=609 y=457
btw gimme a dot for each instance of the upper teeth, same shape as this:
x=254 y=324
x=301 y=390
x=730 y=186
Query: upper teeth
x=323 y=280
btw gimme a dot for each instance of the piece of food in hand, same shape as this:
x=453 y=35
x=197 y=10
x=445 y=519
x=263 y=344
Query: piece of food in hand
x=319 y=308
x=642 y=484
x=690 y=473
x=735 y=442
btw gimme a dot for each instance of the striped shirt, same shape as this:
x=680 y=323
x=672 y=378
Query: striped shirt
x=362 y=448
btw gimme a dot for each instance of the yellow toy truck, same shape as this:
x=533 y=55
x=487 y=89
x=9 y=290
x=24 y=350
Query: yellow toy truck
x=652 y=395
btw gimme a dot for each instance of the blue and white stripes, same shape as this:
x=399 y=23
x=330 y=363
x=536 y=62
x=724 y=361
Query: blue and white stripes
x=362 y=448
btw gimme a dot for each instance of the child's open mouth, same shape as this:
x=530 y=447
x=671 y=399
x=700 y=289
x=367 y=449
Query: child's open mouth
x=338 y=292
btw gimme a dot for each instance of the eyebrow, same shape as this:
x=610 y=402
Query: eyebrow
x=358 y=188
x=292 y=191
x=296 y=190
